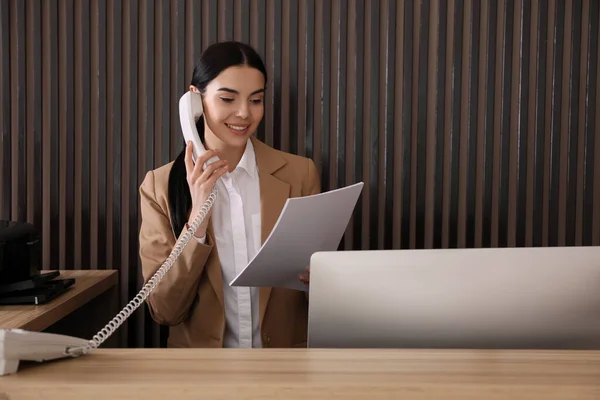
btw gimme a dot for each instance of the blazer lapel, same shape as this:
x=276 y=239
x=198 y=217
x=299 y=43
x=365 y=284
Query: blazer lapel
x=273 y=195
x=213 y=269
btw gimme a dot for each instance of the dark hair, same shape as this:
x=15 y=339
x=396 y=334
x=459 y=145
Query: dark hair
x=214 y=60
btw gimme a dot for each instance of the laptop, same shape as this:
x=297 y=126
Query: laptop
x=501 y=298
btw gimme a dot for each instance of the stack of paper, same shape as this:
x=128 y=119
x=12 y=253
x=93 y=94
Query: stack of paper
x=17 y=344
x=305 y=226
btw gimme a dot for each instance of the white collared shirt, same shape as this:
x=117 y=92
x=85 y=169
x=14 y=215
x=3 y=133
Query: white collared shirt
x=236 y=222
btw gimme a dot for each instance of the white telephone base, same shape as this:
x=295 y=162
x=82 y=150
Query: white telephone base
x=19 y=345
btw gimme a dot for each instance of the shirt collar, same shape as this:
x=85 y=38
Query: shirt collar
x=248 y=160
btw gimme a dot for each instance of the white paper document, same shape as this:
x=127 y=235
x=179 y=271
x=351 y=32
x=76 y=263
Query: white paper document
x=305 y=226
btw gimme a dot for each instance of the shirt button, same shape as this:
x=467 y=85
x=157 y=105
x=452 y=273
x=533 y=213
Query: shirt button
x=267 y=338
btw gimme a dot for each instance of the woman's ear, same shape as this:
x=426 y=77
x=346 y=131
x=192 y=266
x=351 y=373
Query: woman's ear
x=194 y=89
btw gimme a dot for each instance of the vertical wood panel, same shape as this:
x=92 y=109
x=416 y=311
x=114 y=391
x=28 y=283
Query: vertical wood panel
x=387 y=88
x=337 y=119
x=515 y=112
x=463 y=131
x=357 y=123
x=274 y=54
x=472 y=123
x=18 y=118
x=406 y=236
x=452 y=17
x=50 y=135
x=193 y=35
x=437 y=174
x=98 y=133
x=66 y=130
x=34 y=106
x=544 y=72
x=563 y=126
x=192 y=41
x=592 y=124
x=530 y=125
x=419 y=145
x=211 y=14
x=398 y=190
x=489 y=129
x=575 y=150
x=431 y=117
x=580 y=155
x=371 y=126
x=481 y=198
x=523 y=142
x=286 y=86
x=329 y=148
x=225 y=20
x=162 y=82
x=546 y=134
x=81 y=133
x=507 y=48
x=350 y=82
x=472 y=137
x=594 y=133
x=290 y=137
x=5 y=111
x=556 y=115
x=452 y=154
x=178 y=82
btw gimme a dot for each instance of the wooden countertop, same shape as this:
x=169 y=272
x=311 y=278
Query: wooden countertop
x=310 y=374
x=88 y=285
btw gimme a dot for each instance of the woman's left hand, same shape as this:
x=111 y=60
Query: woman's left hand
x=305 y=278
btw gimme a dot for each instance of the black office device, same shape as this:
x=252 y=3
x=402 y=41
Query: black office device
x=21 y=279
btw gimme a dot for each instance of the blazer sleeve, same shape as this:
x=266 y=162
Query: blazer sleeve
x=170 y=301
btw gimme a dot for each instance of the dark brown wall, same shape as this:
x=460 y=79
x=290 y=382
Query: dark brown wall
x=471 y=123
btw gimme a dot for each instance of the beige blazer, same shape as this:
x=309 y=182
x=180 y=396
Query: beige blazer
x=190 y=296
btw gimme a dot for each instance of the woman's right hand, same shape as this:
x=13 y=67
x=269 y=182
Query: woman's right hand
x=201 y=182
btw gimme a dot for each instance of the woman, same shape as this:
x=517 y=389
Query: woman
x=253 y=182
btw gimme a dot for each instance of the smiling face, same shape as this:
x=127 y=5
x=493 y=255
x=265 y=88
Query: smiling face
x=233 y=106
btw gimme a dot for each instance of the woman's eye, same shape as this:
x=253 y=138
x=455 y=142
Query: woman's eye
x=256 y=101
x=227 y=99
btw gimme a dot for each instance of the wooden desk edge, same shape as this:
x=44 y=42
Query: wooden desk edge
x=72 y=303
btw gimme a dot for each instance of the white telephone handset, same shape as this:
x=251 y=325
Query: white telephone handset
x=190 y=110
x=18 y=344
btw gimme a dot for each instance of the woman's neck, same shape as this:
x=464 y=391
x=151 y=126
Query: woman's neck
x=232 y=154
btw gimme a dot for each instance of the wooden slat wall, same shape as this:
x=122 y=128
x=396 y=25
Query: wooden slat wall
x=472 y=123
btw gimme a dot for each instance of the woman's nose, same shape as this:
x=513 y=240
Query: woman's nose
x=242 y=111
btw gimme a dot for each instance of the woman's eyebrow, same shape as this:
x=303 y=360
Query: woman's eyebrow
x=224 y=89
